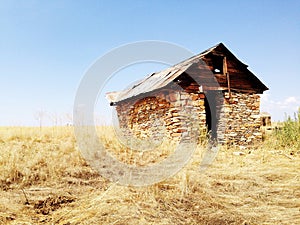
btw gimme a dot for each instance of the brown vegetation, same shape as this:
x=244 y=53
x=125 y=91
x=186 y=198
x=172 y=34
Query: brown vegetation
x=44 y=180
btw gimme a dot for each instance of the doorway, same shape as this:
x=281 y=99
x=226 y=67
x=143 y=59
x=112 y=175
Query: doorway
x=210 y=104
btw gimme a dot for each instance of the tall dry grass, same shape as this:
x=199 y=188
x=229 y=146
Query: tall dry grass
x=287 y=134
x=45 y=180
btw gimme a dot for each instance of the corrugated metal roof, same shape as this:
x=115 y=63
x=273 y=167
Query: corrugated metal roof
x=156 y=80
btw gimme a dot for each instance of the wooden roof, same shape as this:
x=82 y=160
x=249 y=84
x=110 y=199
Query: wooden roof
x=207 y=67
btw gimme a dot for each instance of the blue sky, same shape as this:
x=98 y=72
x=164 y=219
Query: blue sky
x=47 y=46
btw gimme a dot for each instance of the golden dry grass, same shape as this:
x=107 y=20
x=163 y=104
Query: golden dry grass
x=44 y=180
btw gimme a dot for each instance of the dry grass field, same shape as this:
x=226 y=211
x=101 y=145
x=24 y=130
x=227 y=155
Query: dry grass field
x=44 y=180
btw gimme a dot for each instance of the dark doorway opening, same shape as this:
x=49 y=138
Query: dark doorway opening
x=210 y=105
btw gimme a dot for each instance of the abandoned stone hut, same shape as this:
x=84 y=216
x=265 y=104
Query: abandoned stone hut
x=265 y=119
x=213 y=90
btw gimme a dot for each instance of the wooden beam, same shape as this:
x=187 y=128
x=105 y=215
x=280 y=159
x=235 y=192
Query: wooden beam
x=225 y=72
x=224 y=65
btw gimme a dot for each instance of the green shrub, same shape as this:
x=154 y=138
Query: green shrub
x=288 y=134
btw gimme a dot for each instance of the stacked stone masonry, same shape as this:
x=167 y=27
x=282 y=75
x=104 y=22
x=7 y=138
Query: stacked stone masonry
x=242 y=118
x=168 y=114
x=179 y=114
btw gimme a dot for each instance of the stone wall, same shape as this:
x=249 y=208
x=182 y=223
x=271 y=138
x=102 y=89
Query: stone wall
x=241 y=118
x=178 y=114
x=168 y=113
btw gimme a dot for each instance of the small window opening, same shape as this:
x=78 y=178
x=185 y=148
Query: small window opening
x=217 y=63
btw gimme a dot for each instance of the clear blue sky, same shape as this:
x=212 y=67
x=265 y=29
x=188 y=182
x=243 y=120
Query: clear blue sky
x=47 y=46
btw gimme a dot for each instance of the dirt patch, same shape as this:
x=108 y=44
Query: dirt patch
x=51 y=204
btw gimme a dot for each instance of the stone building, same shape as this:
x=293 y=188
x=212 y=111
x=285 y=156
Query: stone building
x=266 y=119
x=213 y=92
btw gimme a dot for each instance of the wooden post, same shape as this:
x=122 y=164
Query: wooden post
x=225 y=72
